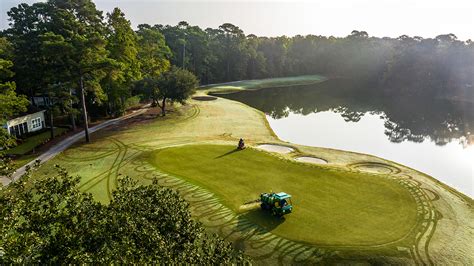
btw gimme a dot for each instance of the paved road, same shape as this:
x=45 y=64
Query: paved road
x=64 y=144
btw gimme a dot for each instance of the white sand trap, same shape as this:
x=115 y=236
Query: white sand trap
x=275 y=148
x=308 y=159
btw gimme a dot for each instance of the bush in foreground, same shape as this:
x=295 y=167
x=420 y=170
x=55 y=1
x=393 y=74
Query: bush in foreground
x=51 y=221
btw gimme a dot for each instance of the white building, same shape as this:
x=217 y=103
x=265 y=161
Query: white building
x=25 y=124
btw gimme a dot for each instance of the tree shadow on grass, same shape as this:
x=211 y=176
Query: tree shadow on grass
x=263 y=219
x=255 y=223
x=227 y=153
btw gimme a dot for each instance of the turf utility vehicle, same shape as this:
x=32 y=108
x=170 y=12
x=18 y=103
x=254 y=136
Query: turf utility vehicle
x=278 y=204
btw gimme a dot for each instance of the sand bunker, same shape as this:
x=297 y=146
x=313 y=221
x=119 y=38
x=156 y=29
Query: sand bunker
x=275 y=148
x=204 y=98
x=308 y=159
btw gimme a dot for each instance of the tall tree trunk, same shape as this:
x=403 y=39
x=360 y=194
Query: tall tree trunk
x=184 y=52
x=163 y=107
x=73 y=122
x=84 y=110
x=122 y=106
x=73 y=118
x=154 y=99
x=107 y=105
x=51 y=122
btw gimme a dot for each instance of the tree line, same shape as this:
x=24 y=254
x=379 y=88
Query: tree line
x=61 y=47
x=441 y=67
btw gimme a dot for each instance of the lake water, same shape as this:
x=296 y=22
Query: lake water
x=432 y=136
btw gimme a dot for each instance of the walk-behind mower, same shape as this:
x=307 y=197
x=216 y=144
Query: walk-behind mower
x=278 y=204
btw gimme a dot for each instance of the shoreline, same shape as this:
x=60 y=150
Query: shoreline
x=453 y=211
x=212 y=90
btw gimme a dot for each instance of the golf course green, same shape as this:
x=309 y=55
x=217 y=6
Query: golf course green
x=332 y=206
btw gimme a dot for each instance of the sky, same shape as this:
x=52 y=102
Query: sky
x=381 y=18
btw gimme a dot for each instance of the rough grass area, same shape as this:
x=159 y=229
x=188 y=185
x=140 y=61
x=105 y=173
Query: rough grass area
x=263 y=83
x=23 y=160
x=34 y=141
x=331 y=207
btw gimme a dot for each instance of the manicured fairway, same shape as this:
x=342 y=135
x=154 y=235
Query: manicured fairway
x=264 y=83
x=333 y=207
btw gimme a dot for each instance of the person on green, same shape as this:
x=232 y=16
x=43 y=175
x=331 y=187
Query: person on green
x=241 y=145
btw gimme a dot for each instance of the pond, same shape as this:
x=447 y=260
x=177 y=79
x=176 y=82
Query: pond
x=434 y=136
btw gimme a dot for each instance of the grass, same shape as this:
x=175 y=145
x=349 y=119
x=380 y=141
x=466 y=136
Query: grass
x=23 y=160
x=126 y=149
x=331 y=207
x=262 y=83
x=34 y=141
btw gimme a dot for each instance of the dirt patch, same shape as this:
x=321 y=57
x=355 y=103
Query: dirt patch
x=204 y=98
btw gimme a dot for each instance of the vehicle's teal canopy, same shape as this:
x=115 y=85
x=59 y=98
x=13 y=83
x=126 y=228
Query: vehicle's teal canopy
x=283 y=195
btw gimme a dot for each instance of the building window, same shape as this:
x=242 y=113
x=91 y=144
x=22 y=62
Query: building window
x=25 y=127
x=36 y=123
x=17 y=130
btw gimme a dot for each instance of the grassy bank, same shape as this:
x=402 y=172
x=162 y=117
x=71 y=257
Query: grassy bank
x=30 y=143
x=25 y=152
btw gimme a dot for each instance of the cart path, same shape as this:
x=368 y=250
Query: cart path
x=66 y=143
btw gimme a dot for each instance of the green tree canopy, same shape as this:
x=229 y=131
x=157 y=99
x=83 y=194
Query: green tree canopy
x=153 y=52
x=51 y=221
x=176 y=85
x=10 y=102
x=122 y=47
x=65 y=39
x=69 y=39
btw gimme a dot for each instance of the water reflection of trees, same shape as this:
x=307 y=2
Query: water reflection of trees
x=406 y=118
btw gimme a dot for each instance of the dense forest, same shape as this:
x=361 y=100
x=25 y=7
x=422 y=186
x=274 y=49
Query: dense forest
x=58 y=46
x=439 y=67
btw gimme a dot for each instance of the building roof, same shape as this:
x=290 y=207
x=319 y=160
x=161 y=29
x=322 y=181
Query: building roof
x=31 y=110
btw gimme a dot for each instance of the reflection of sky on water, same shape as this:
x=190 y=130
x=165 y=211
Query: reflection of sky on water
x=452 y=163
x=430 y=134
